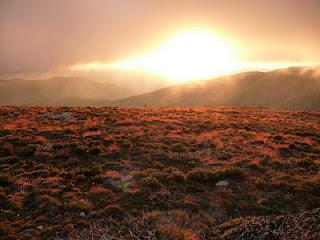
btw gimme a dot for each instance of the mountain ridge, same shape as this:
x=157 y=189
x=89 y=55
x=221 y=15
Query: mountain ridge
x=291 y=88
x=53 y=90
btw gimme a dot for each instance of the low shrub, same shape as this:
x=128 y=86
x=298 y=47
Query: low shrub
x=62 y=154
x=5 y=151
x=5 y=203
x=179 y=148
x=10 y=160
x=80 y=205
x=89 y=171
x=57 y=146
x=95 y=151
x=278 y=165
x=4 y=132
x=30 y=201
x=112 y=165
x=230 y=172
x=81 y=150
x=176 y=176
x=172 y=224
x=305 y=163
x=5 y=180
x=213 y=175
x=100 y=196
x=114 y=211
x=27 y=151
x=3 y=231
x=43 y=156
x=201 y=176
x=150 y=182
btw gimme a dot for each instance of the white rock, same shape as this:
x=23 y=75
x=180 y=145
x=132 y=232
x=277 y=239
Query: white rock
x=63 y=116
x=82 y=214
x=222 y=183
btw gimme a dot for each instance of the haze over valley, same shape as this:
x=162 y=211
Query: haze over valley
x=289 y=88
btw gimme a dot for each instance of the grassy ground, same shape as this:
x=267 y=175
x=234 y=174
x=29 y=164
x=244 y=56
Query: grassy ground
x=157 y=173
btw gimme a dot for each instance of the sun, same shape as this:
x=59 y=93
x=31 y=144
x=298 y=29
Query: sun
x=188 y=55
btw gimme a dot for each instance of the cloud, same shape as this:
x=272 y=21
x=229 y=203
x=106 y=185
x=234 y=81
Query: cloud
x=43 y=35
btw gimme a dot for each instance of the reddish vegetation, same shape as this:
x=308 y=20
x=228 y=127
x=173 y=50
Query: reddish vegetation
x=167 y=173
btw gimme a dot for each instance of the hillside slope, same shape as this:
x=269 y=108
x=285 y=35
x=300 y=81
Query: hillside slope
x=58 y=91
x=293 y=88
x=158 y=173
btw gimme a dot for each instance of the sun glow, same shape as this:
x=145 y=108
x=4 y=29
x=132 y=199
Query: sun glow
x=189 y=55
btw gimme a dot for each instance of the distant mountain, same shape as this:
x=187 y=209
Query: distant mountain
x=71 y=101
x=292 y=88
x=60 y=91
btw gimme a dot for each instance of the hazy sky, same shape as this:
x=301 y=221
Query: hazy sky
x=37 y=35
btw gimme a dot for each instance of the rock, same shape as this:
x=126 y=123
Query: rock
x=82 y=214
x=66 y=116
x=222 y=183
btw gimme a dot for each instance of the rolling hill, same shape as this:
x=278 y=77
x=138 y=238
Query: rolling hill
x=59 y=91
x=292 y=88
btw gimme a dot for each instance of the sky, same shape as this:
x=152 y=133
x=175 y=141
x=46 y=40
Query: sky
x=41 y=36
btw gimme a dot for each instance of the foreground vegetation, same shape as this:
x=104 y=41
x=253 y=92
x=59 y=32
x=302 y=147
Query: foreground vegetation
x=154 y=173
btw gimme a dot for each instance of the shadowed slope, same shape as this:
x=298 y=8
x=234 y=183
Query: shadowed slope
x=55 y=91
x=292 y=88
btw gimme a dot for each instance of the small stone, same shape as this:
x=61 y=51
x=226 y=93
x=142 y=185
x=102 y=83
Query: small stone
x=222 y=183
x=82 y=214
